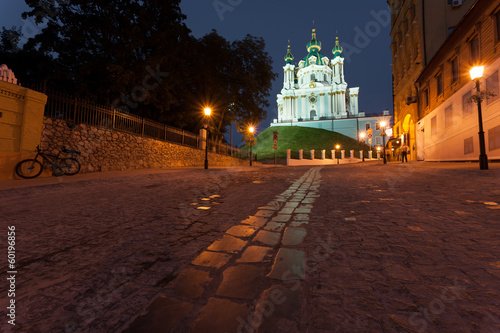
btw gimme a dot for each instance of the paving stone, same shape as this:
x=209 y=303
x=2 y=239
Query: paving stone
x=274 y=226
x=299 y=224
x=211 y=259
x=288 y=265
x=291 y=205
x=241 y=281
x=293 y=236
x=228 y=244
x=301 y=217
x=255 y=221
x=302 y=210
x=286 y=211
x=350 y=219
x=286 y=306
x=254 y=254
x=268 y=237
x=220 y=315
x=189 y=282
x=282 y=218
x=308 y=201
x=163 y=315
x=264 y=213
x=241 y=231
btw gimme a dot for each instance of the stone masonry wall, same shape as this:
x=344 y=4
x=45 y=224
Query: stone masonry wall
x=107 y=150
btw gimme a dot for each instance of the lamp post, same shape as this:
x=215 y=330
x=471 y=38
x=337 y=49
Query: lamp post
x=337 y=148
x=362 y=135
x=251 y=129
x=382 y=125
x=476 y=74
x=208 y=112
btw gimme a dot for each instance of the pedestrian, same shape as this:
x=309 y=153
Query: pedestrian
x=404 y=154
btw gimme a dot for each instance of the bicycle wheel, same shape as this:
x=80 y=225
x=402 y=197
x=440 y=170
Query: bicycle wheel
x=29 y=168
x=69 y=166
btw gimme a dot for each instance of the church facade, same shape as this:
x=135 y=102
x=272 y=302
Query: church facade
x=315 y=94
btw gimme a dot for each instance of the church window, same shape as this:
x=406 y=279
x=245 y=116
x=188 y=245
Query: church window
x=313 y=77
x=368 y=126
x=326 y=78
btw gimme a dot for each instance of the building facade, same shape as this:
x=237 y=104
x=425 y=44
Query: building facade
x=448 y=128
x=418 y=29
x=315 y=94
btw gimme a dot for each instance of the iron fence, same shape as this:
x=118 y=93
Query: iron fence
x=81 y=111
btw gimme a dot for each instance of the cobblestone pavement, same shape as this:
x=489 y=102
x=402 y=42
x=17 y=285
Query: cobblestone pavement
x=350 y=248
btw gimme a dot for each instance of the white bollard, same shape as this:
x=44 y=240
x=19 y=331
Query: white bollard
x=312 y=154
x=323 y=154
x=301 y=154
x=352 y=154
x=342 y=154
x=370 y=155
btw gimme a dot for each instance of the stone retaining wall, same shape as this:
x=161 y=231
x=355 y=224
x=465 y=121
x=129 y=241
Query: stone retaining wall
x=107 y=150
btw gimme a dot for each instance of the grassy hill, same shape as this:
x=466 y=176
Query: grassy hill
x=295 y=138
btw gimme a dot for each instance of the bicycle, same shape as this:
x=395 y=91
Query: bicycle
x=32 y=168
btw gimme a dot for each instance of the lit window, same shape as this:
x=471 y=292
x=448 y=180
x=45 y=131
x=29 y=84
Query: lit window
x=433 y=126
x=467 y=104
x=494 y=138
x=492 y=87
x=448 y=116
x=468 y=146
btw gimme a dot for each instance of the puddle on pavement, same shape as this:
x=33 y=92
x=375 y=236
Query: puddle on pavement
x=491 y=204
x=203 y=208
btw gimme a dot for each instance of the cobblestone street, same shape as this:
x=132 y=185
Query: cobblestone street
x=350 y=248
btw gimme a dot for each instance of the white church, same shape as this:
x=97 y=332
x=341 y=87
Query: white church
x=315 y=94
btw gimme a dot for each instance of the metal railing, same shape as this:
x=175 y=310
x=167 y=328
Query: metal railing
x=81 y=111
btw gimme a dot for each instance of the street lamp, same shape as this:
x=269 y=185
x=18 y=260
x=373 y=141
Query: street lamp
x=337 y=148
x=208 y=112
x=382 y=125
x=476 y=74
x=251 y=129
x=362 y=135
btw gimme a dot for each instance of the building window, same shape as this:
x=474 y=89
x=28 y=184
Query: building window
x=497 y=26
x=468 y=146
x=425 y=98
x=313 y=77
x=494 y=138
x=377 y=126
x=378 y=140
x=492 y=87
x=326 y=78
x=474 y=50
x=433 y=126
x=367 y=126
x=439 y=81
x=454 y=70
x=467 y=104
x=448 y=116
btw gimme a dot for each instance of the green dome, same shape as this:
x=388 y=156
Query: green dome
x=314 y=44
x=337 y=50
x=289 y=56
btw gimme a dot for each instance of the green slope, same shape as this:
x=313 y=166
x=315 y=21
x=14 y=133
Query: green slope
x=295 y=138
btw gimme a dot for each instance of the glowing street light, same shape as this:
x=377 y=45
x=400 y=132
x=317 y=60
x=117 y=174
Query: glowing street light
x=362 y=135
x=337 y=148
x=251 y=130
x=476 y=74
x=383 y=134
x=207 y=112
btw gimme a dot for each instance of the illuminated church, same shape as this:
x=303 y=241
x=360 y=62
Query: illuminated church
x=315 y=93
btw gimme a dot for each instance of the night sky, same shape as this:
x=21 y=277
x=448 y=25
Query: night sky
x=363 y=28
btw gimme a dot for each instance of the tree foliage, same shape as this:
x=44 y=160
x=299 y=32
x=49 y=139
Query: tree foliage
x=139 y=56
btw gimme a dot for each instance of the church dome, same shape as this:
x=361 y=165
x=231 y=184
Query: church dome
x=289 y=56
x=337 y=50
x=314 y=44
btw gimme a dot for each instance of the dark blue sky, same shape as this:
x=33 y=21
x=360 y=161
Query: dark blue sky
x=363 y=28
